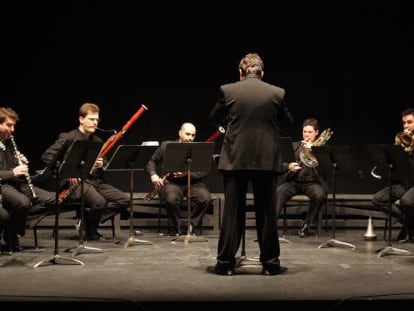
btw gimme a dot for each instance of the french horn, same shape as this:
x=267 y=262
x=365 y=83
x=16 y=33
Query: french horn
x=306 y=155
x=405 y=139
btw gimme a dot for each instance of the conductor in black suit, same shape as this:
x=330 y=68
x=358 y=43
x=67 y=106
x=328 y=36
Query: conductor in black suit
x=254 y=111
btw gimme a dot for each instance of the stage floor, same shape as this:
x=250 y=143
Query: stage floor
x=155 y=276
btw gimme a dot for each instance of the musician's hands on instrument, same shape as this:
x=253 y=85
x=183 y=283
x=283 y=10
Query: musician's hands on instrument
x=74 y=181
x=21 y=170
x=99 y=163
x=21 y=158
x=294 y=166
x=157 y=181
x=179 y=174
x=307 y=144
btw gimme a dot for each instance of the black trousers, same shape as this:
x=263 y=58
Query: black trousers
x=232 y=227
x=316 y=193
x=382 y=198
x=171 y=196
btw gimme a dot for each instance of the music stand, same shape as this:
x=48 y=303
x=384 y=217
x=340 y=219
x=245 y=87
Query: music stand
x=79 y=159
x=333 y=160
x=131 y=158
x=288 y=156
x=391 y=160
x=188 y=157
x=54 y=167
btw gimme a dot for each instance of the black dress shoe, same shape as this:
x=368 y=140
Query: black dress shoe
x=221 y=269
x=402 y=235
x=273 y=269
x=407 y=239
x=304 y=231
x=96 y=236
x=8 y=250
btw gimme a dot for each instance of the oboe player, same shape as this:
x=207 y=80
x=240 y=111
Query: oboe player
x=16 y=189
x=103 y=199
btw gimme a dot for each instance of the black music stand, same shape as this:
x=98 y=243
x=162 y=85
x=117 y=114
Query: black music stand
x=79 y=160
x=392 y=161
x=54 y=167
x=131 y=158
x=188 y=157
x=288 y=156
x=333 y=160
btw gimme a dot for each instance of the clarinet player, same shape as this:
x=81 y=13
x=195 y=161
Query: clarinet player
x=19 y=196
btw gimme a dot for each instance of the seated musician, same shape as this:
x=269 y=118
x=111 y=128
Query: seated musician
x=102 y=199
x=302 y=177
x=172 y=188
x=402 y=190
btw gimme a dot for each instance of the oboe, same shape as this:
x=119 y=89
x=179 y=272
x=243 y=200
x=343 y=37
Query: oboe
x=20 y=162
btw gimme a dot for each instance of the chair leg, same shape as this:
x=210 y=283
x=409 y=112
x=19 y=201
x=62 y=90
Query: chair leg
x=113 y=227
x=159 y=218
x=284 y=230
x=318 y=224
x=36 y=242
x=385 y=229
x=200 y=226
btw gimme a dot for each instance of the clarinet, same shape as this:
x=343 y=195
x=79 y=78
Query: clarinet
x=20 y=162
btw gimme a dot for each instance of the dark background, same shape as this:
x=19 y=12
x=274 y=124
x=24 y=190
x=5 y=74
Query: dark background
x=349 y=64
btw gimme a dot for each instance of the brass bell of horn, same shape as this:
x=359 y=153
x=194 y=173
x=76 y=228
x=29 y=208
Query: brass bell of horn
x=370 y=234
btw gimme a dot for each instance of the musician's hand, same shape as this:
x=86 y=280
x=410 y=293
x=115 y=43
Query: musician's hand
x=307 y=144
x=99 y=163
x=22 y=158
x=294 y=166
x=21 y=170
x=179 y=174
x=157 y=181
x=74 y=181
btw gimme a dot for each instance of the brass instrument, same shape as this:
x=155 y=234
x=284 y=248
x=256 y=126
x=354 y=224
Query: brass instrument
x=21 y=162
x=306 y=155
x=405 y=139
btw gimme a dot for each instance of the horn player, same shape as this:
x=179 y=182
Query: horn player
x=402 y=191
x=302 y=179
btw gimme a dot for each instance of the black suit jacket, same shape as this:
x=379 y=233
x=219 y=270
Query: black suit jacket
x=73 y=135
x=155 y=166
x=290 y=176
x=253 y=111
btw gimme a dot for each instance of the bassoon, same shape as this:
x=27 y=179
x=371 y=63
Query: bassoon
x=170 y=176
x=107 y=146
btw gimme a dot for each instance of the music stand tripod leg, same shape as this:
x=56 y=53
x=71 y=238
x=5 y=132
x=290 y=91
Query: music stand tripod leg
x=81 y=248
x=189 y=237
x=240 y=261
x=180 y=157
x=333 y=242
x=284 y=230
x=56 y=259
x=131 y=239
x=389 y=249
